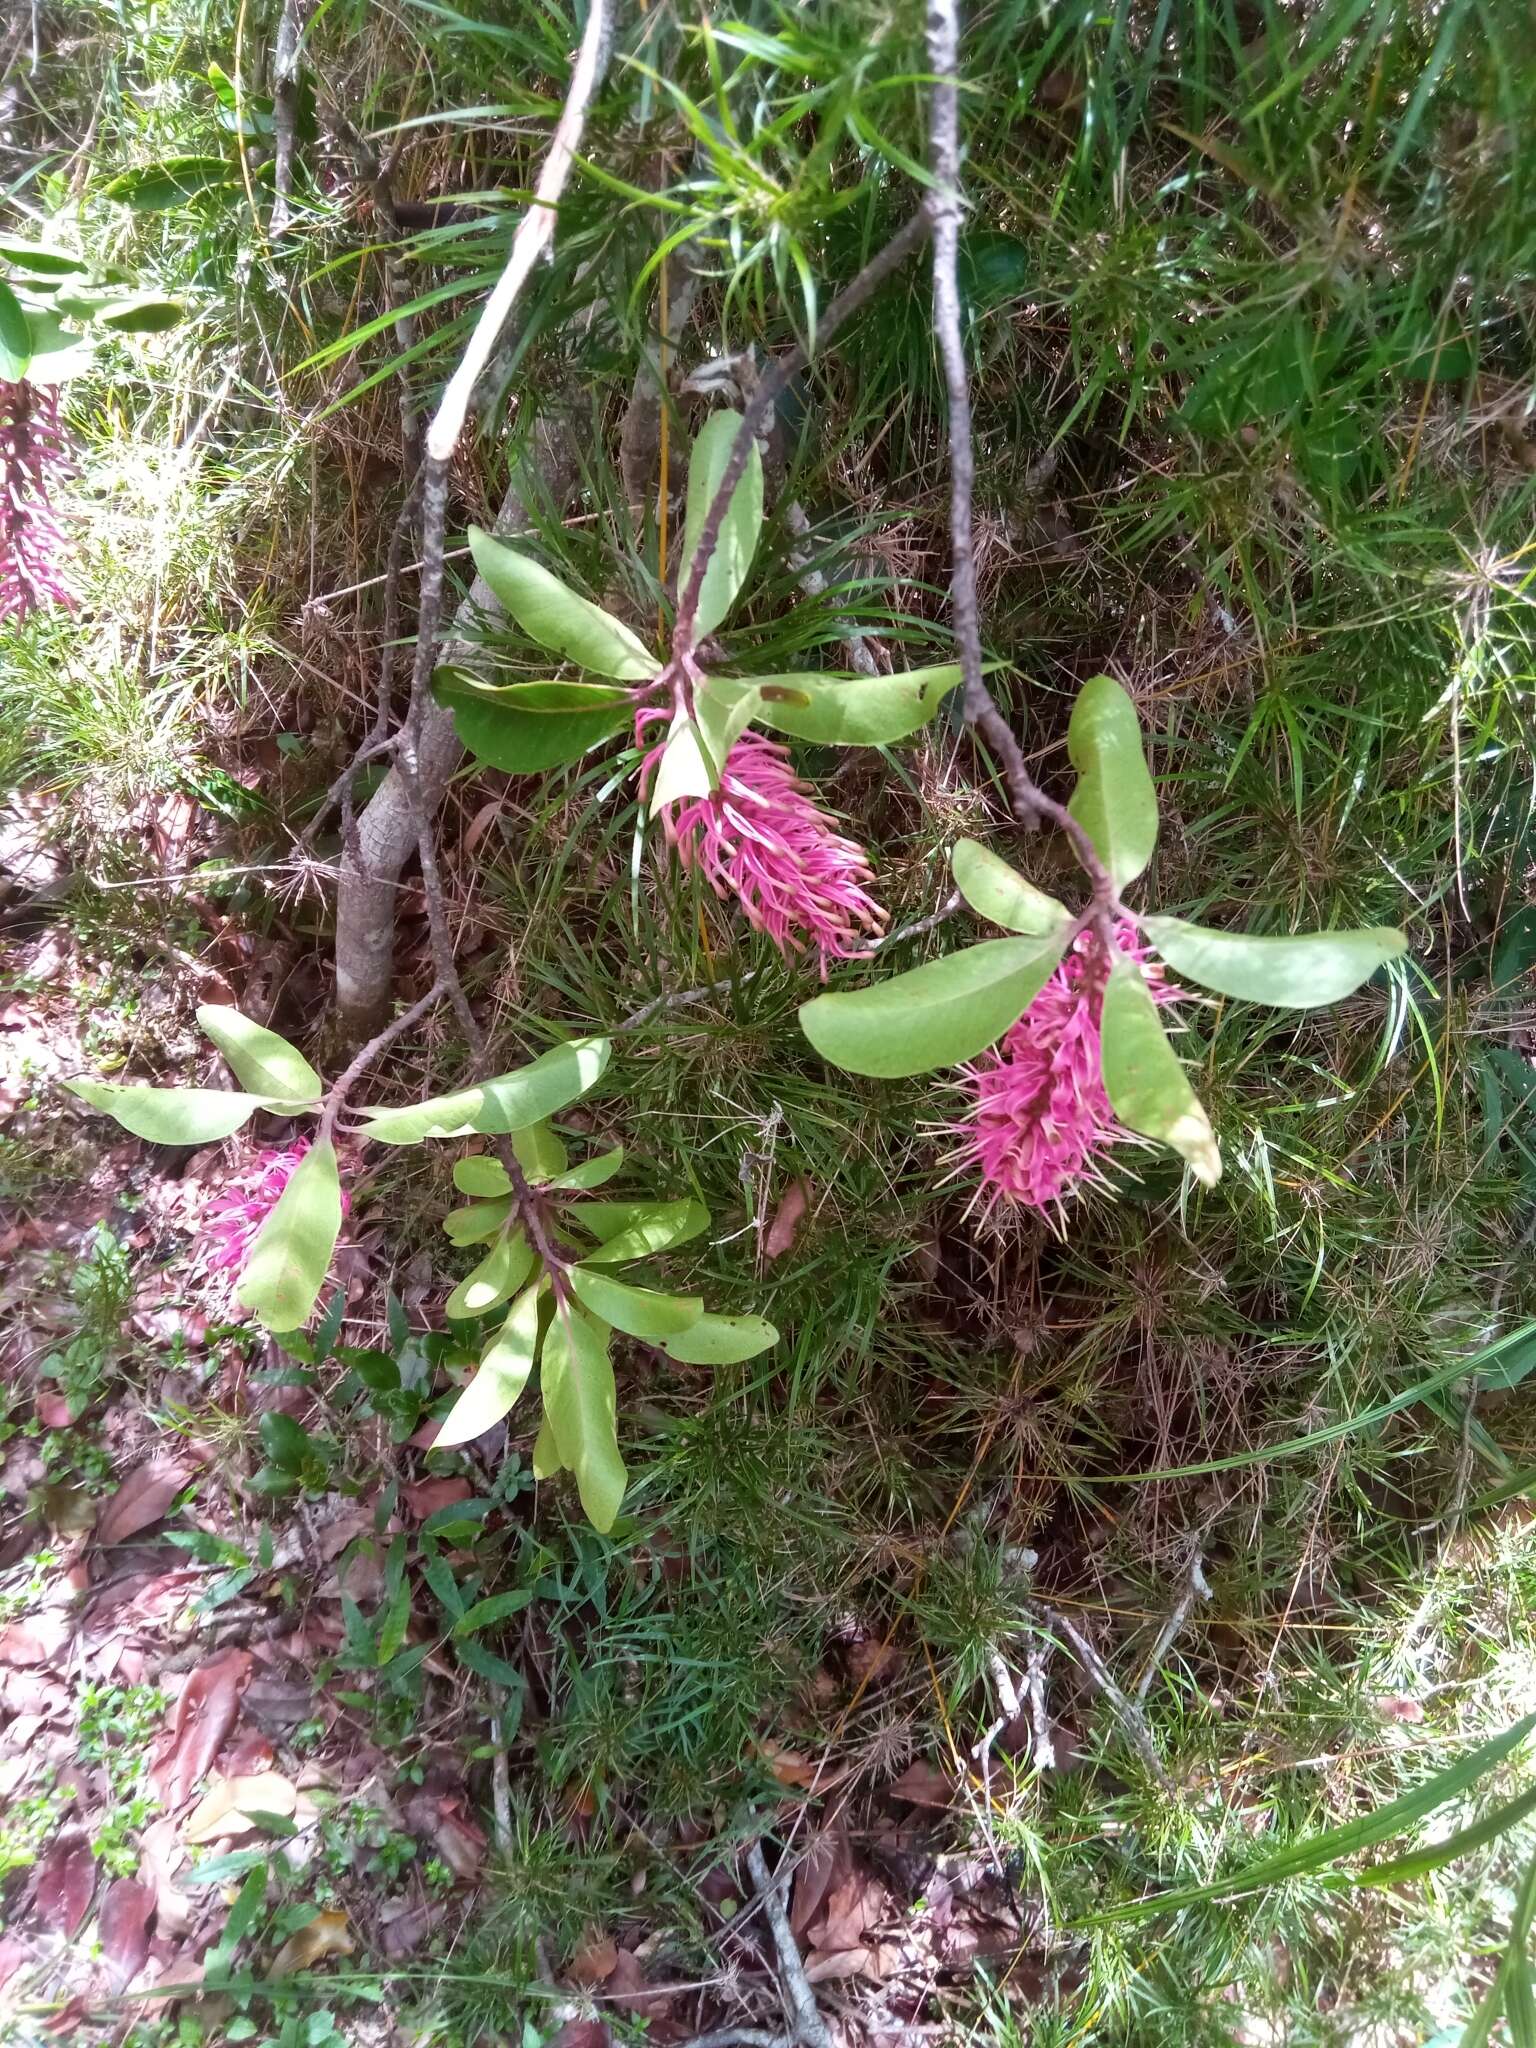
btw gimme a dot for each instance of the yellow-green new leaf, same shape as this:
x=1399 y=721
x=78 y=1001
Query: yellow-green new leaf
x=500 y=1377
x=496 y=1279
x=591 y=1173
x=721 y=1340
x=511 y=1102
x=556 y=617
x=478 y=1222
x=546 y=1460
x=1147 y=1087
x=1115 y=801
x=743 y=521
x=581 y=1405
x=540 y=1152
x=480 y=1175
x=170 y=1116
x=1000 y=893
x=852 y=711
x=647 y=1228
x=935 y=1015
x=637 y=1311
x=292 y=1253
x=1303 y=972
x=684 y=769
x=260 y=1060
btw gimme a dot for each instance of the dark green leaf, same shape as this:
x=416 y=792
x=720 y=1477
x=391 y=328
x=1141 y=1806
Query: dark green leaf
x=44 y=261
x=937 y=1015
x=142 y=313
x=156 y=188
x=285 y=1443
x=485 y=1613
x=521 y=742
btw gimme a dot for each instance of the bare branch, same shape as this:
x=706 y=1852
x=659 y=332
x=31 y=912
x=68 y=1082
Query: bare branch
x=810 y=2027
x=285 y=109
x=375 y=1049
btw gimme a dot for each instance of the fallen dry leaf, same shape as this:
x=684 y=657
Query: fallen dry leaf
x=787 y=1765
x=428 y=1495
x=922 y=1785
x=66 y=1877
x=595 y=1960
x=229 y=1805
x=204 y=1715
x=326 y=1935
x=143 y=1498
x=122 y=1928
x=36 y=1640
x=787 y=1218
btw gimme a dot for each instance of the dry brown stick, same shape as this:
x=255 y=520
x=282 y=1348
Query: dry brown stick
x=285 y=110
x=365 y=1057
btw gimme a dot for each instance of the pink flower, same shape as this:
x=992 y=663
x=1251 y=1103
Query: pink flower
x=31 y=463
x=1039 y=1113
x=761 y=839
x=245 y=1203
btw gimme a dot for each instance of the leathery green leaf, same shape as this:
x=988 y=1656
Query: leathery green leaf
x=1147 y=1087
x=852 y=711
x=1303 y=972
x=478 y=1222
x=509 y=1103
x=556 y=617
x=496 y=1279
x=1000 y=894
x=739 y=530
x=259 y=1059
x=721 y=1340
x=292 y=1253
x=936 y=1015
x=650 y=1227
x=546 y=1460
x=480 y=1175
x=1115 y=801
x=170 y=1116
x=500 y=1376
x=637 y=1311
x=581 y=1406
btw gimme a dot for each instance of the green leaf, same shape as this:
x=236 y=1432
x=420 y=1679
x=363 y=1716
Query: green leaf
x=478 y=1223
x=1000 y=894
x=1299 y=973
x=546 y=1460
x=540 y=1152
x=591 y=1173
x=721 y=1340
x=739 y=530
x=511 y=1102
x=57 y=352
x=482 y=1176
x=852 y=711
x=1114 y=801
x=292 y=1253
x=1317 y=1851
x=581 y=1406
x=936 y=1015
x=261 y=1061
x=15 y=337
x=537 y=697
x=45 y=262
x=496 y=1279
x=156 y=188
x=142 y=313
x=523 y=742
x=723 y=710
x=284 y=1442
x=652 y=1227
x=498 y=1607
x=637 y=1311
x=501 y=1375
x=556 y=617
x=170 y=1116
x=1147 y=1088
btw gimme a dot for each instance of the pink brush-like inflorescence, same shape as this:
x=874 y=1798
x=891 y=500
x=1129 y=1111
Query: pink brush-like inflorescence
x=31 y=464
x=245 y=1203
x=759 y=838
x=1039 y=1115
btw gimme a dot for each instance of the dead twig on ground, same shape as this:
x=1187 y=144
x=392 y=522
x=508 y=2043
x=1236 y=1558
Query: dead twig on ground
x=1132 y=1720
x=1195 y=1588
x=810 y=2027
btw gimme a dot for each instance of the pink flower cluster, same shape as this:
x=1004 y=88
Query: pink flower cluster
x=761 y=839
x=1039 y=1114
x=245 y=1203
x=31 y=463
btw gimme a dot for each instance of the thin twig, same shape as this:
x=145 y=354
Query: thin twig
x=285 y=110
x=810 y=2027
x=760 y=404
x=1039 y=1719
x=1129 y=1714
x=1195 y=1588
x=741 y=2037
x=375 y=1049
